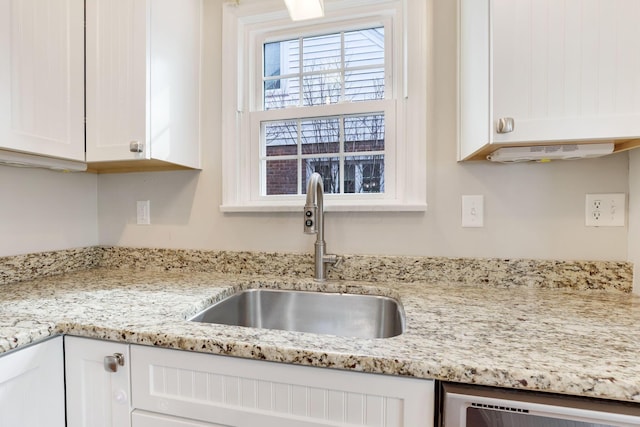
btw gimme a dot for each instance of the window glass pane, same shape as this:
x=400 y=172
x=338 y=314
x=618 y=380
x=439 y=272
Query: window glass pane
x=281 y=138
x=364 y=133
x=364 y=174
x=320 y=136
x=282 y=177
x=287 y=94
x=364 y=85
x=321 y=89
x=281 y=58
x=327 y=167
x=322 y=53
x=272 y=59
x=364 y=48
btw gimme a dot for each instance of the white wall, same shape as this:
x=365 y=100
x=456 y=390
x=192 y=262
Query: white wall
x=531 y=210
x=42 y=210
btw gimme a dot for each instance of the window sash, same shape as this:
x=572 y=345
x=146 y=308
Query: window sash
x=391 y=40
x=308 y=65
x=258 y=154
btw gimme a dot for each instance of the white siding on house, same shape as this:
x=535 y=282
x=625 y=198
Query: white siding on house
x=323 y=68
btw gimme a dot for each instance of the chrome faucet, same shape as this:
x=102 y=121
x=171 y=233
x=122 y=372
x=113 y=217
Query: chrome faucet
x=314 y=224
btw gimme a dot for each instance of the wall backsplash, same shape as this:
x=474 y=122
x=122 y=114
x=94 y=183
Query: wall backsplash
x=602 y=275
x=44 y=264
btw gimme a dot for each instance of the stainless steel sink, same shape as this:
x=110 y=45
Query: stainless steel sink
x=349 y=315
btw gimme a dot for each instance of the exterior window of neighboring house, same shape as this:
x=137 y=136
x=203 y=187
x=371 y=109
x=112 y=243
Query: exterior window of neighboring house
x=326 y=96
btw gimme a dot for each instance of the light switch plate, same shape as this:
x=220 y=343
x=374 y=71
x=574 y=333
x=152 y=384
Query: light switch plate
x=473 y=211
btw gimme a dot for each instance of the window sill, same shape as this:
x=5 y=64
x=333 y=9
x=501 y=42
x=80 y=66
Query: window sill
x=329 y=206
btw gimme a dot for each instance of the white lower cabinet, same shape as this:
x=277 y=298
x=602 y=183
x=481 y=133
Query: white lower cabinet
x=32 y=386
x=148 y=419
x=97 y=384
x=234 y=392
x=173 y=388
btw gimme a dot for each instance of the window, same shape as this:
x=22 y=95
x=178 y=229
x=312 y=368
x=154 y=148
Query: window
x=325 y=96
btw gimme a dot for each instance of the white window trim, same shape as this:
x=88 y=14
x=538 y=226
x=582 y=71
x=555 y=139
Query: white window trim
x=404 y=191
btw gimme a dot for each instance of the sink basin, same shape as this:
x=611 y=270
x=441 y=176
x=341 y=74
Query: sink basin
x=349 y=315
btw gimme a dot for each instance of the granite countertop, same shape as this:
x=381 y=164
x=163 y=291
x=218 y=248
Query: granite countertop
x=580 y=342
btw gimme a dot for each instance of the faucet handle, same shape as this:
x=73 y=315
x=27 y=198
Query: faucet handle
x=339 y=261
x=333 y=260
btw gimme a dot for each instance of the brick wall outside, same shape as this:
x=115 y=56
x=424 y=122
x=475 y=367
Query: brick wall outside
x=282 y=174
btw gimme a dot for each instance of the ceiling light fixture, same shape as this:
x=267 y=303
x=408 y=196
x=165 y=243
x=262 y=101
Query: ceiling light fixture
x=305 y=9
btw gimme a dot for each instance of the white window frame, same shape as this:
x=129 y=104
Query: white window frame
x=244 y=26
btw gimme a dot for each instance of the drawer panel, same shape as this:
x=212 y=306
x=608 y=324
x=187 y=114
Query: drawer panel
x=234 y=391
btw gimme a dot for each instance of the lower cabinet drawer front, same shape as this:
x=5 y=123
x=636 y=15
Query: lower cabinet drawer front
x=242 y=392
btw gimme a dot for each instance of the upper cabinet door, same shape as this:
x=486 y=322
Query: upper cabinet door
x=143 y=82
x=42 y=77
x=116 y=79
x=563 y=71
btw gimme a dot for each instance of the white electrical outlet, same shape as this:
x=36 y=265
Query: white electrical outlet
x=143 y=210
x=473 y=211
x=605 y=210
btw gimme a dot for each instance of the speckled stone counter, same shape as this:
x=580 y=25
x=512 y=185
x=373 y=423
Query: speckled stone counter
x=491 y=272
x=581 y=342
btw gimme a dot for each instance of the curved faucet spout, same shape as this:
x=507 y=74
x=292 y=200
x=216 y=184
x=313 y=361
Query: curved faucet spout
x=314 y=224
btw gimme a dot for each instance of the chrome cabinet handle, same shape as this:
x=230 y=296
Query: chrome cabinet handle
x=136 y=146
x=111 y=363
x=505 y=125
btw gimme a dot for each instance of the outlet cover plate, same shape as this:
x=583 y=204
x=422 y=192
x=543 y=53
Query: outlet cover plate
x=605 y=210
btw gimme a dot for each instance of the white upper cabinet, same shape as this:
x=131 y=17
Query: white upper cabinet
x=563 y=71
x=42 y=77
x=143 y=84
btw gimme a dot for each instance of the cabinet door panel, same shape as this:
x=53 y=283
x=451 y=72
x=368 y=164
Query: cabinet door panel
x=566 y=71
x=33 y=378
x=96 y=397
x=42 y=77
x=143 y=81
x=116 y=78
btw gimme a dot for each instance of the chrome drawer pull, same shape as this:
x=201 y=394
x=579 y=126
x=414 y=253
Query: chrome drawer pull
x=111 y=362
x=505 y=125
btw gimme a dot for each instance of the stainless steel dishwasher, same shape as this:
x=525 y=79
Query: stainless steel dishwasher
x=474 y=406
